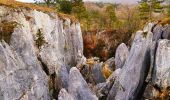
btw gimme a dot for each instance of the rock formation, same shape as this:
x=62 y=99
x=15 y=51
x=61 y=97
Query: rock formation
x=30 y=66
x=121 y=55
x=39 y=49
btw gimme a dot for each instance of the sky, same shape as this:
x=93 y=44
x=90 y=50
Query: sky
x=117 y=1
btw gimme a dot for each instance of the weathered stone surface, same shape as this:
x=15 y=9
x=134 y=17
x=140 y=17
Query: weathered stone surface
x=64 y=95
x=153 y=48
x=97 y=73
x=158 y=88
x=17 y=80
x=62 y=78
x=149 y=27
x=157 y=32
x=121 y=55
x=129 y=83
x=166 y=32
x=63 y=47
x=102 y=89
x=161 y=75
x=78 y=87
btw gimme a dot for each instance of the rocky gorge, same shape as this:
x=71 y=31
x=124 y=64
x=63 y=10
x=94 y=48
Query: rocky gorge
x=41 y=58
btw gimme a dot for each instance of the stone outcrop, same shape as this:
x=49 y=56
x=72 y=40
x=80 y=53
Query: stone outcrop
x=134 y=70
x=39 y=45
x=78 y=87
x=162 y=64
x=161 y=73
x=102 y=89
x=64 y=95
x=39 y=49
x=18 y=80
x=121 y=55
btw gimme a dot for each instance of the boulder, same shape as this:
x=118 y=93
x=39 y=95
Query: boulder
x=121 y=55
x=64 y=95
x=78 y=87
x=129 y=84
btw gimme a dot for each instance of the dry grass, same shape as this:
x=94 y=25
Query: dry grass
x=165 y=21
x=164 y=94
x=15 y=4
x=6 y=30
x=106 y=71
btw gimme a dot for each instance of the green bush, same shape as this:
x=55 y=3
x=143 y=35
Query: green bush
x=40 y=39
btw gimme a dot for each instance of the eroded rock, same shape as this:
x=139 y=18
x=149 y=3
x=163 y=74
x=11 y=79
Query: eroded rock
x=64 y=95
x=17 y=80
x=130 y=82
x=161 y=73
x=78 y=87
x=166 y=32
x=121 y=55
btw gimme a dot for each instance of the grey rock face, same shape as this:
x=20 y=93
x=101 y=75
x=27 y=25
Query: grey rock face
x=97 y=73
x=157 y=32
x=17 y=80
x=63 y=47
x=78 y=87
x=64 y=95
x=161 y=76
x=62 y=75
x=166 y=32
x=149 y=27
x=121 y=55
x=102 y=89
x=128 y=85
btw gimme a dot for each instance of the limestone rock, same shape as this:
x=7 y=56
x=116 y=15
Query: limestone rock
x=149 y=27
x=17 y=80
x=78 y=87
x=62 y=77
x=157 y=32
x=97 y=73
x=63 y=39
x=166 y=32
x=64 y=95
x=63 y=46
x=133 y=74
x=121 y=55
x=102 y=89
x=161 y=76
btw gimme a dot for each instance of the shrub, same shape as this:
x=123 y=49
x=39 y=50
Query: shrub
x=40 y=39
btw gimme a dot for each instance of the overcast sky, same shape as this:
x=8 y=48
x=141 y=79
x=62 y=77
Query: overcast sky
x=117 y=1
